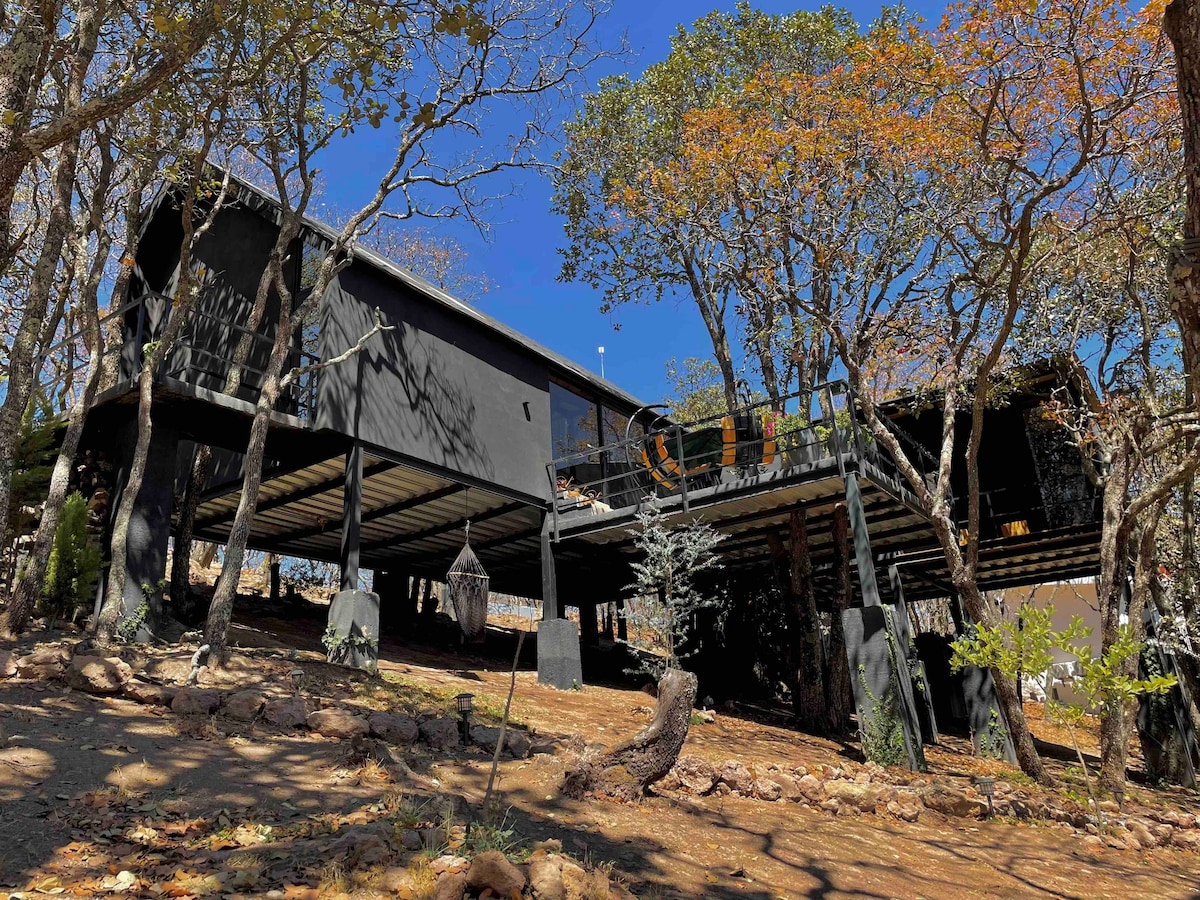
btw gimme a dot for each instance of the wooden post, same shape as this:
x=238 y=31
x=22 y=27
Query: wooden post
x=809 y=691
x=839 y=697
x=413 y=606
x=587 y=623
x=428 y=601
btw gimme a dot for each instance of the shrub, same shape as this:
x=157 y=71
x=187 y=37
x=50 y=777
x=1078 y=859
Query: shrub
x=74 y=564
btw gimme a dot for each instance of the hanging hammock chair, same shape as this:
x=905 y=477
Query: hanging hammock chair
x=468 y=586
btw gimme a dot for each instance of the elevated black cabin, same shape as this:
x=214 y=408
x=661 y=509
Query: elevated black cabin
x=451 y=416
x=452 y=413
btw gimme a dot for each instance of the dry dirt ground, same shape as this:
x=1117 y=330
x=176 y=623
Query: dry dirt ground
x=79 y=771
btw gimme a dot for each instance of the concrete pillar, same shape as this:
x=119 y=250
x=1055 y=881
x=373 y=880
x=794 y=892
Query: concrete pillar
x=354 y=616
x=882 y=691
x=1164 y=723
x=557 y=639
x=150 y=523
x=920 y=682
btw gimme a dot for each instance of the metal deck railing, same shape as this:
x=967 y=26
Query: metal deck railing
x=202 y=355
x=658 y=462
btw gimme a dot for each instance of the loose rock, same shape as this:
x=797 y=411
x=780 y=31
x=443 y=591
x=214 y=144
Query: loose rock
x=244 y=705
x=150 y=694
x=545 y=877
x=44 y=663
x=194 y=701
x=581 y=884
x=738 y=777
x=393 y=728
x=490 y=870
x=515 y=742
x=952 y=802
x=338 y=723
x=8 y=664
x=695 y=774
x=765 y=789
x=788 y=785
x=286 y=712
x=812 y=788
x=1187 y=840
x=451 y=887
x=98 y=675
x=442 y=734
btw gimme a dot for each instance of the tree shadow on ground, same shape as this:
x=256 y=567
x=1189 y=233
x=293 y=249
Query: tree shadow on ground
x=155 y=770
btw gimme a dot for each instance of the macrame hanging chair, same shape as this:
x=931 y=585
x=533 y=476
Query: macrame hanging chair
x=468 y=585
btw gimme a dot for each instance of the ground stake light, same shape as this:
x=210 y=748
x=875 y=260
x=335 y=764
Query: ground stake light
x=467 y=583
x=987 y=787
x=464 y=702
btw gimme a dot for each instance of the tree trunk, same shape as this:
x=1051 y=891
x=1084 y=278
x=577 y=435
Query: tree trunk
x=625 y=771
x=23 y=62
x=809 y=697
x=1006 y=692
x=220 y=610
x=181 y=558
x=113 y=607
x=22 y=373
x=1114 y=572
x=28 y=588
x=1182 y=25
x=839 y=700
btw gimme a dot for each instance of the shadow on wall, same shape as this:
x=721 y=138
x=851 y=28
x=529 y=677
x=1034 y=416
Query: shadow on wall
x=434 y=414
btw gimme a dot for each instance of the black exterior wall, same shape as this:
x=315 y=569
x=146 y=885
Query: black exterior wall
x=1026 y=470
x=439 y=388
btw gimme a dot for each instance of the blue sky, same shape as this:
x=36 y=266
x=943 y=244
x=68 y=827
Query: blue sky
x=519 y=255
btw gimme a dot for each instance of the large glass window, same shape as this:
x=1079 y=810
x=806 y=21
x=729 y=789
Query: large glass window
x=620 y=476
x=614 y=426
x=573 y=422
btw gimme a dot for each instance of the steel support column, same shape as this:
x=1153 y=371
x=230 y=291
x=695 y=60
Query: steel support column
x=351 y=516
x=549 y=580
x=863 y=558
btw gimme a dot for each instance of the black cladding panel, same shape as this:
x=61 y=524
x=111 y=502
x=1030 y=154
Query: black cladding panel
x=439 y=387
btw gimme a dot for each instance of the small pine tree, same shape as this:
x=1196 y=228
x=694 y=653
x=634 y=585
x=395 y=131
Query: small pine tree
x=74 y=564
x=666 y=576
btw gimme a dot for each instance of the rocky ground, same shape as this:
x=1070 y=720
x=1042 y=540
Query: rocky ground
x=281 y=776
